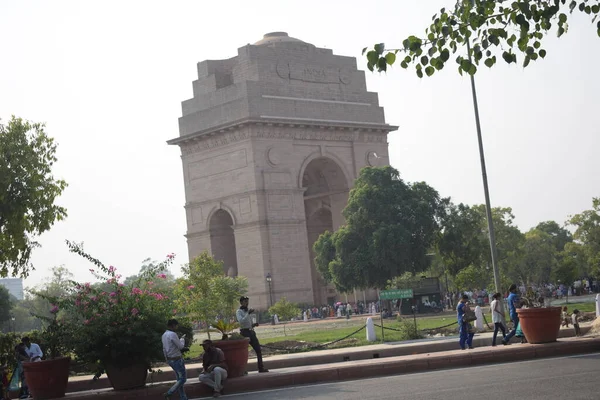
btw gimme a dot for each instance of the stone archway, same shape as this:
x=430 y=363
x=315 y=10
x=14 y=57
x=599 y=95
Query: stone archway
x=325 y=196
x=222 y=241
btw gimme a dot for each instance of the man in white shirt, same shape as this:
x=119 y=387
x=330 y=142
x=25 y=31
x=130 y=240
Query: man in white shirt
x=498 y=318
x=173 y=346
x=244 y=317
x=33 y=350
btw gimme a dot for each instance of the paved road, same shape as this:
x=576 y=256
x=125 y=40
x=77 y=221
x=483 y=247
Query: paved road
x=569 y=378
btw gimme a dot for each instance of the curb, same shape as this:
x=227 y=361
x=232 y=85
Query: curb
x=362 y=369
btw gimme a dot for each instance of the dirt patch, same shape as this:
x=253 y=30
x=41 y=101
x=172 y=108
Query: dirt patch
x=595 y=329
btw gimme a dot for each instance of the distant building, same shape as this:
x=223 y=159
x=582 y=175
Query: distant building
x=14 y=286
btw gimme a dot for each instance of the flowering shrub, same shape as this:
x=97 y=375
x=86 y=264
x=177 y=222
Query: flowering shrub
x=118 y=324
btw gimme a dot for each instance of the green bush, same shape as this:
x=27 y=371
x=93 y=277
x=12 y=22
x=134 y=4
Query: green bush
x=407 y=328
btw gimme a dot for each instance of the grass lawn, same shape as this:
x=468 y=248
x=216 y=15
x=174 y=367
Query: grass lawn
x=320 y=332
x=325 y=331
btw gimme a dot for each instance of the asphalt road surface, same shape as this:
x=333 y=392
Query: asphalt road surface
x=574 y=377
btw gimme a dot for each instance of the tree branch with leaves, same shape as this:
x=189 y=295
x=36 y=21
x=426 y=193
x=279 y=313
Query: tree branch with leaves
x=514 y=30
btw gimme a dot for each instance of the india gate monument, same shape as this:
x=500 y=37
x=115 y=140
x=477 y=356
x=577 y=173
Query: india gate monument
x=271 y=143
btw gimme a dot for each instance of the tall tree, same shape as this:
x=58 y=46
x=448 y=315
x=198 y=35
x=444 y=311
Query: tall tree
x=390 y=226
x=587 y=234
x=28 y=191
x=559 y=235
x=461 y=243
x=6 y=304
x=539 y=259
x=516 y=29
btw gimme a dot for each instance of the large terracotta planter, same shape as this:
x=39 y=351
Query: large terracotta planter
x=127 y=377
x=540 y=325
x=47 y=379
x=236 y=356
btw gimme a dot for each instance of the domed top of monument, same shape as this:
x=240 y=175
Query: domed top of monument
x=277 y=37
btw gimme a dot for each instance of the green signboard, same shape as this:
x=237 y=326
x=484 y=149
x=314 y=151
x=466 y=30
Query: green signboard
x=395 y=294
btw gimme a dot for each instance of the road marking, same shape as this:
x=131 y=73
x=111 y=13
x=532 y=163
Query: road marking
x=479 y=368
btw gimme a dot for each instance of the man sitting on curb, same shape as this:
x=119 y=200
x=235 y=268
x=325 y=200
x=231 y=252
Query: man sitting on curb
x=215 y=368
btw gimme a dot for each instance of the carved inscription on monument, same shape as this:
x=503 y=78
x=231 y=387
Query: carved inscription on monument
x=311 y=73
x=218 y=164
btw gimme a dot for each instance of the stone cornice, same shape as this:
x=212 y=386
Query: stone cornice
x=245 y=130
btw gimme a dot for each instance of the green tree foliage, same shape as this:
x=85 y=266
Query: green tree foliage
x=587 y=235
x=560 y=236
x=512 y=30
x=473 y=277
x=461 y=242
x=284 y=310
x=6 y=304
x=390 y=225
x=539 y=258
x=205 y=293
x=28 y=191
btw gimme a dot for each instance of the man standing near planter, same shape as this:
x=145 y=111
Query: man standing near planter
x=173 y=347
x=244 y=317
x=513 y=303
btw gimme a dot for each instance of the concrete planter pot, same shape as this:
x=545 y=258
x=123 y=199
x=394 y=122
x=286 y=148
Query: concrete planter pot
x=540 y=325
x=236 y=356
x=47 y=379
x=127 y=377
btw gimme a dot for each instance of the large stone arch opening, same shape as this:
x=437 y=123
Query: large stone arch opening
x=222 y=241
x=325 y=196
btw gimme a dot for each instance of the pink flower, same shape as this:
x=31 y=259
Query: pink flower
x=111 y=269
x=112 y=294
x=191 y=287
x=162 y=276
x=137 y=291
x=86 y=322
x=170 y=256
x=134 y=311
x=174 y=312
x=54 y=309
x=121 y=284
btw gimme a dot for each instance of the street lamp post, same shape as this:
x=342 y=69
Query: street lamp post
x=488 y=208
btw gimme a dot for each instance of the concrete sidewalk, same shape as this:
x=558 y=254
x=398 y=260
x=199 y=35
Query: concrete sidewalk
x=351 y=370
x=319 y=357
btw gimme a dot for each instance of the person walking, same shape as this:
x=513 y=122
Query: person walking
x=214 y=373
x=514 y=302
x=244 y=317
x=575 y=319
x=463 y=313
x=173 y=347
x=498 y=318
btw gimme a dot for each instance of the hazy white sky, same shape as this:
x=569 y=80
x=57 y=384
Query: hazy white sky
x=108 y=77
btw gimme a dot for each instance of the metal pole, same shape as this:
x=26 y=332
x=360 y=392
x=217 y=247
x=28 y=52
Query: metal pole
x=488 y=208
